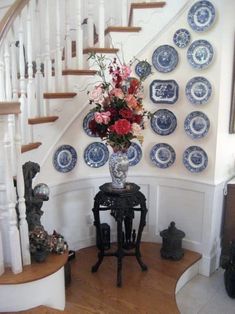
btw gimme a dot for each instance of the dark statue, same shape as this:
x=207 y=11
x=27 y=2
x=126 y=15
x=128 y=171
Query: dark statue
x=33 y=201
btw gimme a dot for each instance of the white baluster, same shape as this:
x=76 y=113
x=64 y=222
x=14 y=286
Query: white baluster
x=14 y=237
x=39 y=76
x=1 y=254
x=68 y=39
x=23 y=101
x=101 y=24
x=2 y=85
x=14 y=79
x=23 y=225
x=58 y=64
x=7 y=72
x=124 y=12
x=90 y=24
x=30 y=85
x=79 y=36
x=48 y=63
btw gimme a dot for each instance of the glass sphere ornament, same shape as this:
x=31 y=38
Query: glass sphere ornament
x=41 y=191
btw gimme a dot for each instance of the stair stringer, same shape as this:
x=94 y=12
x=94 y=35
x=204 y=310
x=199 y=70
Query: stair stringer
x=153 y=23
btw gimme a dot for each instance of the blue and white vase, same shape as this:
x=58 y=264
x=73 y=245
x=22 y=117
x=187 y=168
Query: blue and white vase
x=118 y=167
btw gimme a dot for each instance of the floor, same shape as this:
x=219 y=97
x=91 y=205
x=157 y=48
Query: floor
x=204 y=295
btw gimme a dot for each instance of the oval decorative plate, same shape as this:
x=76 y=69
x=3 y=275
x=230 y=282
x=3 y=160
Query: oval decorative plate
x=165 y=58
x=196 y=124
x=201 y=16
x=198 y=90
x=65 y=158
x=181 y=38
x=163 y=122
x=164 y=92
x=162 y=155
x=200 y=54
x=134 y=154
x=195 y=159
x=96 y=154
x=86 y=122
x=143 y=69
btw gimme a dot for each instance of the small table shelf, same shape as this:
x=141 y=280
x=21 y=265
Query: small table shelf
x=122 y=204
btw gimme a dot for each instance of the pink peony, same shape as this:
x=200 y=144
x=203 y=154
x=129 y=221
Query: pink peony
x=97 y=95
x=117 y=92
x=131 y=101
x=98 y=117
x=126 y=71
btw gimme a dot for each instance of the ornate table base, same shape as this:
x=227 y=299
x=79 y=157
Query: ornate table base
x=122 y=203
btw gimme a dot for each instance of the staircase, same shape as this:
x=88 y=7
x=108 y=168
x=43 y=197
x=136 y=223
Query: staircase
x=45 y=71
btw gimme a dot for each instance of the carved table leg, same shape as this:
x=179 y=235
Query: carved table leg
x=137 y=247
x=119 y=252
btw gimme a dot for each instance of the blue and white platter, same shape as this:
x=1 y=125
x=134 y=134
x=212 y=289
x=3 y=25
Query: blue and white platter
x=201 y=16
x=198 y=90
x=163 y=122
x=200 y=54
x=164 y=92
x=134 y=154
x=96 y=154
x=65 y=158
x=143 y=69
x=165 y=58
x=195 y=159
x=162 y=155
x=196 y=124
x=86 y=122
x=181 y=38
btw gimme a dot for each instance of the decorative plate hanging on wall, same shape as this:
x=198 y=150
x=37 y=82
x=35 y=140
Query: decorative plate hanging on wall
x=195 y=159
x=163 y=122
x=198 y=90
x=196 y=124
x=165 y=58
x=96 y=154
x=86 y=122
x=134 y=154
x=201 y=16
x=200 y=54
x=164 y=92
x=65 y=158
x=143 y=69
x=162 y=155
x=181 y=38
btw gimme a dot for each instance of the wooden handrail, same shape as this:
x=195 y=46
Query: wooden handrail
x=10 y=16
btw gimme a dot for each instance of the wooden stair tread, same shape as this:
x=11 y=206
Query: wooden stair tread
x=100 y=50
x=9 y=107
x=144 y=5
x=78 y=72
x=35 y=271
x=58 y=95
x=122 y=29
x=39 y=120
x=27 y=147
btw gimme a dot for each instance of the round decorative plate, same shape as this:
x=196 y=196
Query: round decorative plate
x=195 y=159
x=86 y=122
x=181 y=38
x=165 y=58
x=134 y=154
x=198 y=90
x=201 y=16
x=65 y=158
x=200 y=54
x=162 y=155
x=163 y=122
x=143 y=69
x=196 y=124
x=96 y=154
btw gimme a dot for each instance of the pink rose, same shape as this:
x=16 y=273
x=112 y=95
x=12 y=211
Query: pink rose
x=106 y=117
x=97 y=95
x=117 y=92
x=126 y=71
x=122 y=127
x=98 y=117
x=131 y=101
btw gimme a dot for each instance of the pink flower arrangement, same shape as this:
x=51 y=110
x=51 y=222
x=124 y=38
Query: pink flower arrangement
x=118 y=112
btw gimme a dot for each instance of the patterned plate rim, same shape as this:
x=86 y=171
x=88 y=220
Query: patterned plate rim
x=157 y=163
x=138 y=150
x=100 y=163
x=186 y=163
x=165 y=69
x=189 y=88
x=73 y=162
x=187 y=126
x=170 y=130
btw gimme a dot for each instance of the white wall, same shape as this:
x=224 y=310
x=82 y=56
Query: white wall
x=4 y=5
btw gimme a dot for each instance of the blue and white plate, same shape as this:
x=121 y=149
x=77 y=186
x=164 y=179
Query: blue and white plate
x=96 y=154
x=134 y=154
x=163 y=122
x=201 y=16
x=195 y=159
x=181 y=38
x=65 y=158
x=198 y=90
x=200 y=54
x=86 y=122
x=164 y=92
x=196 y=124
x=143 y=69
x=165 y=58
x=162 y=155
